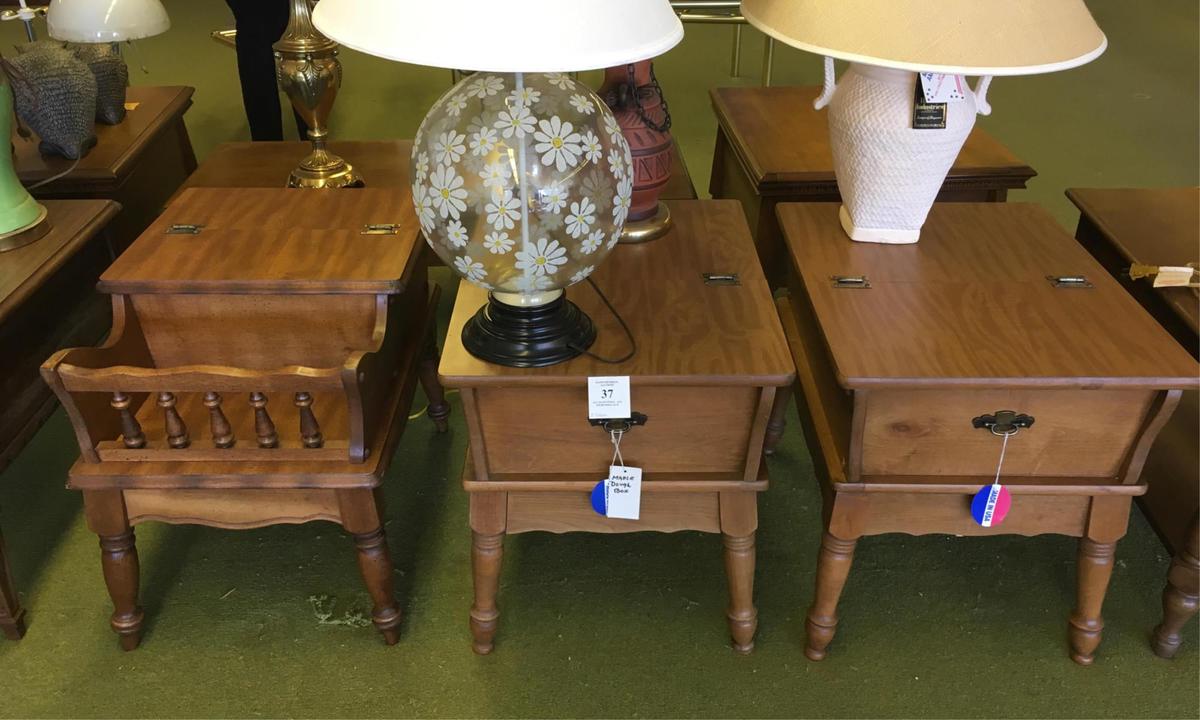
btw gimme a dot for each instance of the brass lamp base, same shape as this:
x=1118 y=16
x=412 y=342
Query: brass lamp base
x=29 y=234
x=322 y=169
x=640 y=231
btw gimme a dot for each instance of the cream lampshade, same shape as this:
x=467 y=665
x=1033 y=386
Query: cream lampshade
x=522 y=178
x=105 y=21
x=888 y=171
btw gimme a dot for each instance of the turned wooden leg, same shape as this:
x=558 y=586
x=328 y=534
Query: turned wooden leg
x=833 y=567
x=375 y=564
x=486 y=553
x=778 y=421
x=439 y=409
x=1181 y=597
x=739 y=568
x=1095 y=566
x=119 y=558
x=12 y=616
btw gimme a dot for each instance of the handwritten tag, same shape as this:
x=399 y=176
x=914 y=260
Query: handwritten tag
x=940 y=88
x=1172 y=276
x=608 y=398
x=623 y=492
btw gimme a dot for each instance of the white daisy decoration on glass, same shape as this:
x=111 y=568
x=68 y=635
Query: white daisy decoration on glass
x=581 y=275
x=421 y=167
x=583 y=104
x=591 y=146
x=622 y=201
x=498 y=243
x=476 y=124
x=541 y=258
x=592 y=242
x=562 y=81
x=456 y=104
x=423 y=203
x=612 y=127
x=448 y=148
x=483 y=141
x=617 y=162
x=526 y=96
x=557 y=143
x=483 y=87
x=515 y=121
x=496 y=176
x=457 y=234
x=581 y=217
x=553 y=198
x=469 y=269
x=448 y=192
x=597 y=184
x=529 y=282
x=616 y=238
x=551 y=223
x=503 y=211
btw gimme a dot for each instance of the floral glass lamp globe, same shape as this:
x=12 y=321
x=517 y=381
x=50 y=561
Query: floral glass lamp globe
x=892 y=148
x=521 y=178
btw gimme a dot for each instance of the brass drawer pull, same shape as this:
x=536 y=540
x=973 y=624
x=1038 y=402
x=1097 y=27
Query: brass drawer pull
x=853 y=282
x=620 y=425
x=1003 y=422
x=1078 y=282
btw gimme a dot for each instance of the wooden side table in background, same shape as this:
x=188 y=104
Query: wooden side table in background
x=773 y=147
x=138 y=163
x=383 y=163
x=534 y=457
x=1160 y=227
x=264 y=350
x=900 y=366
x=47 y=301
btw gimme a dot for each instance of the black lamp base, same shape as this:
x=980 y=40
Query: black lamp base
x=528 y=336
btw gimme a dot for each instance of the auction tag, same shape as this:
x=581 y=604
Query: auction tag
x=608 y=398
x=927 y=115
x=991 y=505
x=1171 y=276
x=623 y=492
x=940 y=88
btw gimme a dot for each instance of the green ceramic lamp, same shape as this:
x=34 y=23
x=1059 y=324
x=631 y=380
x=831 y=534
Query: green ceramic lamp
x=22 y=219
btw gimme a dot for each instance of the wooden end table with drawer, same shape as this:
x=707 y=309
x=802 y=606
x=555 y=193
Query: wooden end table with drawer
x=901 y=360
x=709 y=359
x=264 y=351
x=773 y=147
x=1159 y=226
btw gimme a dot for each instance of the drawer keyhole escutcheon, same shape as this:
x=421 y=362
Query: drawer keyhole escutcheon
x=1003 y=422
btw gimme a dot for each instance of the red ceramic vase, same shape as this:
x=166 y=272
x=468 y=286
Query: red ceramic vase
x=649 y=142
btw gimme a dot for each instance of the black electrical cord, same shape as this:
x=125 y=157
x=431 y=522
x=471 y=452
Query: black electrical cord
x=624 y=326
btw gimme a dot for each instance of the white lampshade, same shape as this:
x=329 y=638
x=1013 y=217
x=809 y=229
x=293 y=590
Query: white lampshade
x=104 y=21
x=963 y=37
x=505 y=35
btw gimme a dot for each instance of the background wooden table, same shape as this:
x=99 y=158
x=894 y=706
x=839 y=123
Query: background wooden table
x=47 y=301
x=1159 y=227
x=138 y=163
x=773 y=147
x=382 y=163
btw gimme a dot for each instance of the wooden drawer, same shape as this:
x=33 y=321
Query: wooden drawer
x=690 y=429
x=572 y=512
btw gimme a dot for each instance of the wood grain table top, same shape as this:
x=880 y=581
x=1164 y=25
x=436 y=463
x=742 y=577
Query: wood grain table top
x=781 y=140
x=687 y=332
x=1158 y=226
x=382 y=163
x=970 y=305
x=117 y=146
x=273 y=240
x=73 y=223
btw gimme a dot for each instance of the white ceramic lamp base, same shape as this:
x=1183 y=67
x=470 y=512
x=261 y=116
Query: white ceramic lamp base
x=888 y=173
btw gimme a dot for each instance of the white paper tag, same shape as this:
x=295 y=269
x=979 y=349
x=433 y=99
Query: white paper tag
x=608 y=398
x=939 y=88
x=623 y=492
x=1171 y=276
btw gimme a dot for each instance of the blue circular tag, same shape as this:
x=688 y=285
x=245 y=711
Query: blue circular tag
x=598 y=502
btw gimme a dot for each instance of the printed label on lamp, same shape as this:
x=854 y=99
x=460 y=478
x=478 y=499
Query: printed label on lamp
x=940 y=88
x=608 y=398
x=623 y=492
x=991 y=505
x=927 y=115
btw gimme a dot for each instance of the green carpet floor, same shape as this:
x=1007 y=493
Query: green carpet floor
x=269 y=622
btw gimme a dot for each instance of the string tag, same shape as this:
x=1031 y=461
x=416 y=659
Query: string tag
x=620 y=494
x=992 y=503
